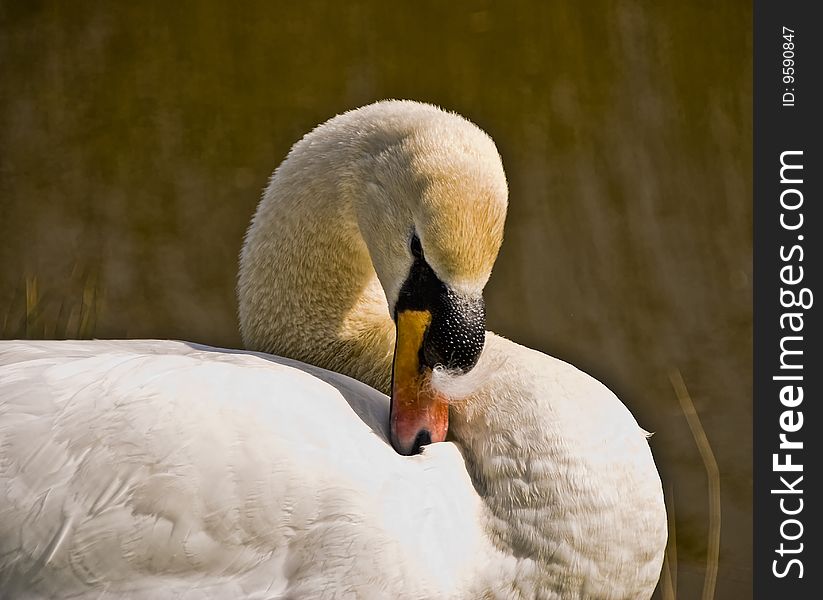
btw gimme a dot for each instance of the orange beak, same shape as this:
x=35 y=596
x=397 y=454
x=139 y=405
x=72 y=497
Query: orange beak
x=419 y=415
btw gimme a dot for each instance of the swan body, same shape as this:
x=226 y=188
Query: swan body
x=154 y=469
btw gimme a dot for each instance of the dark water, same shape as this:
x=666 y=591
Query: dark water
x=134 y=142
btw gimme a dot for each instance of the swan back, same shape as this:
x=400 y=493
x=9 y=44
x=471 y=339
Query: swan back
x=154 y=468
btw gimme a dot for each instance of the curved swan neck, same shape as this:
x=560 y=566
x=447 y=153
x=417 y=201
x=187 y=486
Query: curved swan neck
x=307 y=289
x=339 y=213
x=328 y=250
x=554 y=457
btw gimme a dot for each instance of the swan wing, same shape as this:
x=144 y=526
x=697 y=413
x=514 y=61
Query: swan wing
x=155 y=469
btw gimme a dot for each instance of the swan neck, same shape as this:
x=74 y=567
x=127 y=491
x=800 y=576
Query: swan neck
x=307 y=289
x=554 y=461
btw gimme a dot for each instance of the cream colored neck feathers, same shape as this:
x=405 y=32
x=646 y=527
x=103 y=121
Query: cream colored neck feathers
x=307 y=288
x=328 y=248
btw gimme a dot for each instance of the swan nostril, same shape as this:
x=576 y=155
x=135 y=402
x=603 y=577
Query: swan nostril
x=423 y=438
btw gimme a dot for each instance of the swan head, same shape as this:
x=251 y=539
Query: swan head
x=430 y=198
x=399 y=196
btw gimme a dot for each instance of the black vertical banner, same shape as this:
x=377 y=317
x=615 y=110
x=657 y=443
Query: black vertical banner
x=788 y=365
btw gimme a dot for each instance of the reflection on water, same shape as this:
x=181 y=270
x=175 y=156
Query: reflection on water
x=134 y=142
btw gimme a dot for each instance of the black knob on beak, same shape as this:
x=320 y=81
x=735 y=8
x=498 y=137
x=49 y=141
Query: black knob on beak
x=457 y=332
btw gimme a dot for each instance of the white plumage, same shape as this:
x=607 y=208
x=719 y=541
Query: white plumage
x=156 y=469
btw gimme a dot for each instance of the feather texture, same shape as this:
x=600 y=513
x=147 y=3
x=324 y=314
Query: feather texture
x=163 y=469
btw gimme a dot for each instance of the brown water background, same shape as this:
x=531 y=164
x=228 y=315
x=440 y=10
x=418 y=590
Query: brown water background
x=135 y=139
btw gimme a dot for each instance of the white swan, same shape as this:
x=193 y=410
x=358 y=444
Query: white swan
x=151 y=469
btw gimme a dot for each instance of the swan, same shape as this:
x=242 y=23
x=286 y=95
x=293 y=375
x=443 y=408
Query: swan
x=162 y=469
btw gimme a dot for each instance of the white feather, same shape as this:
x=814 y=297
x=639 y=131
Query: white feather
x=156 y=469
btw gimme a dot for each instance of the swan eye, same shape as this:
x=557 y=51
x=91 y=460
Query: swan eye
x=416 y=248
